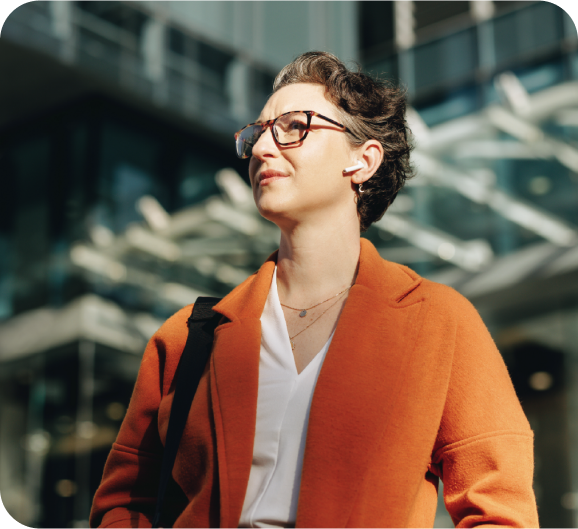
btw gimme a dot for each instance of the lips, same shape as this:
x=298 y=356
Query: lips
x=270 y=173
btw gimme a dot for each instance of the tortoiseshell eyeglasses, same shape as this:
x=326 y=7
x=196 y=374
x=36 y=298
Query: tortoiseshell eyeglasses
x=289 y=128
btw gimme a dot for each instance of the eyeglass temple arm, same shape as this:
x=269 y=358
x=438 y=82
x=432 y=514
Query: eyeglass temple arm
x=329 y=119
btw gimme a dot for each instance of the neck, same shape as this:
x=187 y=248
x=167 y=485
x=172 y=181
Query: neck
x=315 y=263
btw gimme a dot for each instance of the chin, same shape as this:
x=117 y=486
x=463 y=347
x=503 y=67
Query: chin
x=272 y=210
x=269 y=213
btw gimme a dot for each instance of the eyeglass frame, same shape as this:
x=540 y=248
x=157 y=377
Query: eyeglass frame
x=271 y=123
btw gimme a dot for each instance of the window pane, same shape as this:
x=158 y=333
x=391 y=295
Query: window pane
x=445 y=61
x=429 y=13
x=538 y=28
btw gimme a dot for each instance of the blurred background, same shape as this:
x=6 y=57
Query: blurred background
x=122 y=200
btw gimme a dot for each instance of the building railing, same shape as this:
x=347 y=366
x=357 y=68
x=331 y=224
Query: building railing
x=465 y=61
x=200 y=81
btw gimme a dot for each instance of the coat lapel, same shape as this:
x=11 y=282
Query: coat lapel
x=356 y=390
x=234 y=385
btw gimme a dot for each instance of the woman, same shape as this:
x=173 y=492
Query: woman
x=341 y=387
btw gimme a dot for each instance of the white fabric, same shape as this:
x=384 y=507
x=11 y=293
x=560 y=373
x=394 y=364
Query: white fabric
x=283 y=405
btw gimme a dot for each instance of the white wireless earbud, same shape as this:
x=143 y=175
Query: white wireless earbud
x=358 y=165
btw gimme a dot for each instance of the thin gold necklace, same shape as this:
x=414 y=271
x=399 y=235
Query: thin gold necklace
x=295 y=335
x=303 y=312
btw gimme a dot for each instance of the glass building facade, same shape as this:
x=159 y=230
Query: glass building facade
x=122 y=200
x=469 y=70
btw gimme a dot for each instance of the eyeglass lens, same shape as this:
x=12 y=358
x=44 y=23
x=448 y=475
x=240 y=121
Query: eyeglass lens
x=289 y=128
x=247 y=139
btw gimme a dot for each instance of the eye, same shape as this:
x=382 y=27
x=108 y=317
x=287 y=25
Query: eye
x=297 y=124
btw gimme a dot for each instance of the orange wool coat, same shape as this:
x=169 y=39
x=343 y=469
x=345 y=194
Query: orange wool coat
x=412 y=389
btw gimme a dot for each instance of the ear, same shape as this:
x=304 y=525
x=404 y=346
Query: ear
x=371 y=154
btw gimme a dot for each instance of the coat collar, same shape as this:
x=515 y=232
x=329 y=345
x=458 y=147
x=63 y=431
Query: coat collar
x=392 y=281
x=355 y=391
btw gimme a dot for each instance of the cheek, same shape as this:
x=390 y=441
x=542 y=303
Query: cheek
x=253 y=167
x=326 y=160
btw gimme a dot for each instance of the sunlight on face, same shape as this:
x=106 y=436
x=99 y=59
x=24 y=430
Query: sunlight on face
x=314 y=184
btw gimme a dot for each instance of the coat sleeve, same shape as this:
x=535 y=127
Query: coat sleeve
x=484 y=448
x=127 y=493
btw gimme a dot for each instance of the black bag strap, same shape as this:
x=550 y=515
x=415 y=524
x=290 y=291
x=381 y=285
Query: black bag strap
x=202 y=323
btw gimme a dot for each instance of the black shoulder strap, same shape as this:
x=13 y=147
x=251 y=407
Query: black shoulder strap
x=193 y=360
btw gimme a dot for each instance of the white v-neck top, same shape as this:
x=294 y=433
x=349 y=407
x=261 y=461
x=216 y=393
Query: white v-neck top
x=283 y=404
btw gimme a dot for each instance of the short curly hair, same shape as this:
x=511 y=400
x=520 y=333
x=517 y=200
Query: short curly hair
x=371 y=109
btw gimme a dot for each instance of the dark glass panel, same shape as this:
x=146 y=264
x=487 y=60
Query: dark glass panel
x=509 y=5
x=183 y=44
x=377 y=23
x=384 y=68
x=262 y=87
x=538 y=374
x=429 y=13
x=445 y=61
x=196 y=177
x=213 y=78
x=176 y=41
x=547 y=184
x=528 y=32
x=99 y=54
x=117 y=13
x=31 y=162
x=449 y=105
x=214 y=58
x=129 y=165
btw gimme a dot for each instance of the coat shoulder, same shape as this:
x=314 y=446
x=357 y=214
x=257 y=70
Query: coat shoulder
x=444 y=298
x=175 y=329
x=165 y=347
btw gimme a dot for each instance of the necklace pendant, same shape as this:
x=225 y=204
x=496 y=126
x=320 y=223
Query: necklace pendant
x=302 y=313
x=292 y=344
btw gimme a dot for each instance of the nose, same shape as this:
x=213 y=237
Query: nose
x=266 y=146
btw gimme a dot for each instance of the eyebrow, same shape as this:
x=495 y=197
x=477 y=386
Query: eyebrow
x=259 y=120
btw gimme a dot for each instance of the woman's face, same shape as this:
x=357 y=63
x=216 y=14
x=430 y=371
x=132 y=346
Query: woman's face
x=313 y=184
